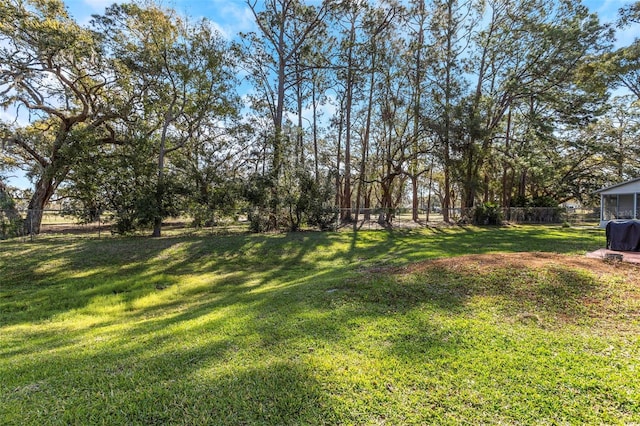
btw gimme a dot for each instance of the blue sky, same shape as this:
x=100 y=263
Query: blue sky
x=233 y=16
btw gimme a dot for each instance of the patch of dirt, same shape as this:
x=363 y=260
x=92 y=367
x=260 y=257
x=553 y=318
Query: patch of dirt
x=603 y=294
x=73 y=229
x=529 y=260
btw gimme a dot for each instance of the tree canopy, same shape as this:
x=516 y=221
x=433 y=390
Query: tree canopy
x=343 y=106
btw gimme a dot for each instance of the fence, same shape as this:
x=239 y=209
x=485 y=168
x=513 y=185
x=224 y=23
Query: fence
x=520 y=215
x=101 y=224
x=53 y=221
x=60 y=222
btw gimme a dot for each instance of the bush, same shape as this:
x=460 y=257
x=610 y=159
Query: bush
x=313 y=202
x=259 y=220
x=10 y=219
x=324 y=216
x=487 y=214
x=297 y=200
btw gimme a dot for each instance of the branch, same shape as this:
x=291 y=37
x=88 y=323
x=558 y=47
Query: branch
x=22 y=144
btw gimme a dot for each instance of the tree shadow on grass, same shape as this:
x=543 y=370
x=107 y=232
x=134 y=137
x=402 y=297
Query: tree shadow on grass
x=70 y=277
x=128 y=384
x=60 y=277
x=545 y=290
x=269 y=302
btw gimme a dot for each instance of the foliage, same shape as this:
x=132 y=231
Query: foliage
x=621 y=65
x=304 y=201
x=10 y=219
x=122 y=185
x=221 y=201
x=542 y=209
x=54 y=69
x=320 y=210
x=308 y=201
x=182 y=77
x=257 y=192
x=540 y=201
x=349 y=104
x=487 y=214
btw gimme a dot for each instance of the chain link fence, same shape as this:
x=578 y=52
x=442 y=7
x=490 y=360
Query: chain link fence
x=102 y=224
x=403 y=217
x=53 y=222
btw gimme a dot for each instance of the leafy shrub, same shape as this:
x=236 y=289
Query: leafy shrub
x=298 y=199
x=487 y=214
x=10 y=220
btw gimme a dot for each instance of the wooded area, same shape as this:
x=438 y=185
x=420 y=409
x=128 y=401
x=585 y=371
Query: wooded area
x=332 y=106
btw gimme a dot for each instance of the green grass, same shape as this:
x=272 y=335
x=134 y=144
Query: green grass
x=318 y=328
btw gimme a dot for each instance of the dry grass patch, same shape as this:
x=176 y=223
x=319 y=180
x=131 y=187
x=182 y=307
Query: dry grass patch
x=491 y=261
x=548 y=289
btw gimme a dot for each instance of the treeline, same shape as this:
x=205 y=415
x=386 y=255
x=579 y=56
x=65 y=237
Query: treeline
x=326 y=108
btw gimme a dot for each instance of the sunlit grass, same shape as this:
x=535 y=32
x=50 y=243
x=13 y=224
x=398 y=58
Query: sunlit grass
x=318 y=328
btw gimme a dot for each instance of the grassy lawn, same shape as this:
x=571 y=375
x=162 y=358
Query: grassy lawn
x=437 y=326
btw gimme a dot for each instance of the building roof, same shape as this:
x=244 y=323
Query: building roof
x=620 y=186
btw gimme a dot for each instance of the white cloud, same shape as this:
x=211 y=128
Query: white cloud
x=607 y=11
x=100 y=4
x=228 y=16
x=625 y=36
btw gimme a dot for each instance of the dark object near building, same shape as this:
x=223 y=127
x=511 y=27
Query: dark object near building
x=623 y=235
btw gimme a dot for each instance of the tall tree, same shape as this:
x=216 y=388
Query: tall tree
x=274 y=55
x=417 y=17
x=618 y=133
x=547 y=44
x=449 y=38
x=350 y=62
x=624 y=64
x=180 y=74
x=378 y=31
x=54 y=69
x=285 y=28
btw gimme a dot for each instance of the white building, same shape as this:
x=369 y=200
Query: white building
x=620 y=202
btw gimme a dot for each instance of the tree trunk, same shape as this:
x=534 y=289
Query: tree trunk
x=338 y=201
x=387 y=202
x=299 y=139
x=416 y=113
x=367 y=204
x=315 y=130
x=446 y=200
x=416 y=204
x=522 y=187
x=470 y=180
x=157 y=220
x=486 y=196
x=448 y=94
x=430 y=190
x=506 y=187
x=45 y=187
x=365 y=139
x=346 y=194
